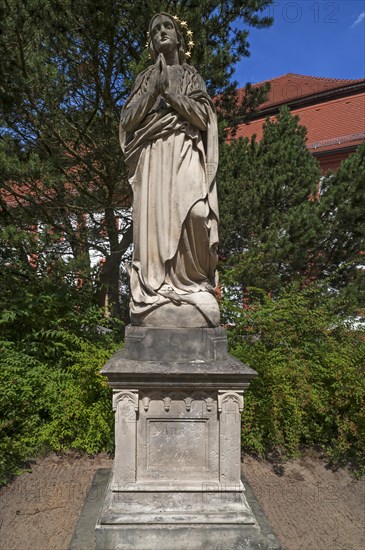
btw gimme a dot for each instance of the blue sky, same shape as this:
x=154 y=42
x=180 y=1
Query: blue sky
x=312 y=37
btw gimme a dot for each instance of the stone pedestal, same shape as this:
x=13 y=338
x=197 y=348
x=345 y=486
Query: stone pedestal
x=178 y=398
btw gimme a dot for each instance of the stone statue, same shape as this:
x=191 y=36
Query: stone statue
x=174 y=383
x=168 y=132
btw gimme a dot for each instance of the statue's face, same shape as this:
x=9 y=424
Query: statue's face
x=164 y=34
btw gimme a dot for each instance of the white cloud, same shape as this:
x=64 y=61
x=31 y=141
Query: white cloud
x=360 y=18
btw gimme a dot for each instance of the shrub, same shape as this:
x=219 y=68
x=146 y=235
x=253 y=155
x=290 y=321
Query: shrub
x=78 y=402
x=47 y=407
x=311 y=387
x=51 y=351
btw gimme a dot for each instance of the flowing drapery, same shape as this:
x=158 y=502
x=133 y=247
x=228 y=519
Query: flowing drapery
x=172 y=161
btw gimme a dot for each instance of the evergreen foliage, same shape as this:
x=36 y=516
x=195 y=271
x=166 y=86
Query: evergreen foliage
x=67 y=67
x=342 y=232
x=310 y=389
x=52 y=347
x=291 y=278
x=276 y=227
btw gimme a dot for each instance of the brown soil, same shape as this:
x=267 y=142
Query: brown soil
x=39 y=510
x=309 y=507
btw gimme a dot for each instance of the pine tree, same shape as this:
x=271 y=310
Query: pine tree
x=272 y=232
x=281 y=222
x=67 y=67
x=342 y=236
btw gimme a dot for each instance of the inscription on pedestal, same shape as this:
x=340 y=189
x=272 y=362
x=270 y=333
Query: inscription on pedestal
x=177 y=438
x=176 y=477
x=169 y=445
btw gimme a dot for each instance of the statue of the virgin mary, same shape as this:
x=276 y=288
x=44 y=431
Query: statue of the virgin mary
x=168 y=132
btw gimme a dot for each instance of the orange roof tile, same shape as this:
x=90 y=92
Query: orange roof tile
x=329 y=124
x=291 y=86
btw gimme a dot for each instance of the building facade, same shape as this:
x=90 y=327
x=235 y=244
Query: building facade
x=332 y=110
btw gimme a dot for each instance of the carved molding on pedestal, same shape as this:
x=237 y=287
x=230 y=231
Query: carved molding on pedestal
x=167 y=398
x=230 y=406
x=225 y=396
x=167 y=403
x=146 y=402
x=125 y=405
x=130 y=396
x=188 y=403
x=155 y=430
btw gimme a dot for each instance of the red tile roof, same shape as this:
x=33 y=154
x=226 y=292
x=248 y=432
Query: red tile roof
x=291 y=86
x=329 y=125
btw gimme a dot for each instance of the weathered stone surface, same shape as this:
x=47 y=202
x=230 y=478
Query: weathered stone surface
x=212 y=518
x=202 y=310
x=169 y=134
x=175 y=344
x=177 y=471
x=129 y=373
x=167 y=536
x=183 y=537
x=177 y=459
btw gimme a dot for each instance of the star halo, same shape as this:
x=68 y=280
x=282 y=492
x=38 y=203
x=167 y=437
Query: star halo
x=189 y=34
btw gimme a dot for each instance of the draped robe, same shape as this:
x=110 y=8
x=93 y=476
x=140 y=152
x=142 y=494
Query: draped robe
x=172 y=158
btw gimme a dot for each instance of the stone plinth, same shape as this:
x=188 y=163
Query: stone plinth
x=176 y=476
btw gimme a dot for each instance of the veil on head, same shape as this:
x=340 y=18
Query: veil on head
x=180 y=38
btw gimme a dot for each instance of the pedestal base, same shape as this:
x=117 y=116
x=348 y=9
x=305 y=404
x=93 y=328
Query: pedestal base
x=193 y=521
x=84 y=534
x=164 y=520
x=176 y=477
x=181 y=531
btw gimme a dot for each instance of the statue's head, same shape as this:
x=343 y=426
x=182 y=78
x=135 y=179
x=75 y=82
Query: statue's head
x=164 y=34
